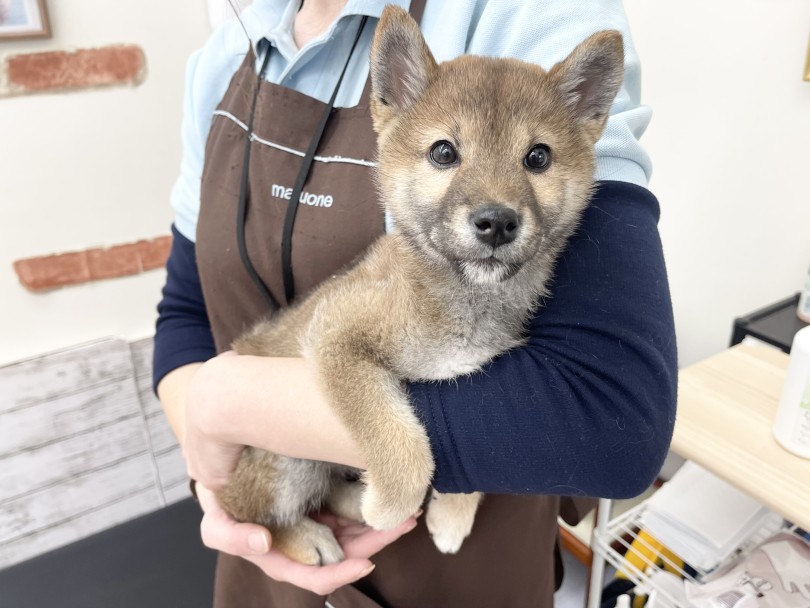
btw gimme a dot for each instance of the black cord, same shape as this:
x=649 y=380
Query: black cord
x=292 y=208
x=242 y=206
x=303 y=174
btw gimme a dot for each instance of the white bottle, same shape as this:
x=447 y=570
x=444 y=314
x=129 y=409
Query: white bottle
x=803 y=309
x=792 y=425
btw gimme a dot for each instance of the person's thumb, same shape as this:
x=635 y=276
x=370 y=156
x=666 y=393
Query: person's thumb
x=219 y=531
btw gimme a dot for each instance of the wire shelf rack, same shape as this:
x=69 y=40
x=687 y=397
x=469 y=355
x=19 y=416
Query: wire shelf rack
x=622 y=537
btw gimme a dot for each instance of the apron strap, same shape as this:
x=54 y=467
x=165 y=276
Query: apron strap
x=416 y=9
x=241 y=208
x=303 y=173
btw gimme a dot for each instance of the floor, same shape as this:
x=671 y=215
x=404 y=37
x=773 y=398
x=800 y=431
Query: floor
x=573 y=592
x=575 y=584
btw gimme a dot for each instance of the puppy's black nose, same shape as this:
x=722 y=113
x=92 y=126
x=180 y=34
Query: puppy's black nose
x=495 y=225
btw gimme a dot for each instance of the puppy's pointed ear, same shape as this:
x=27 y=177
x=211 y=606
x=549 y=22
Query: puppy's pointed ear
x=590 y=77
x=402 y=65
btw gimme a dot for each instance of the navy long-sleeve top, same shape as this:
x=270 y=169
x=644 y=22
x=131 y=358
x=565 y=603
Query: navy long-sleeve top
x=586 y=407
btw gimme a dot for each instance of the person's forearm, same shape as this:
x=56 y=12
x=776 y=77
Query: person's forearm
x=270 y=403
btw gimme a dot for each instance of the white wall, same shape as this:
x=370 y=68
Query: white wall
x=220 y=10
x=730 y=141
x=92 y=168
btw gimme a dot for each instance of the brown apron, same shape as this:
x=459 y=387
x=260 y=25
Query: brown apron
x=507 y=561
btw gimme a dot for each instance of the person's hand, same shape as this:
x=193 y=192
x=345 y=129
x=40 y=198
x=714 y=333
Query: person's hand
x=210 y=457
x=253 y=543
x=270 y=403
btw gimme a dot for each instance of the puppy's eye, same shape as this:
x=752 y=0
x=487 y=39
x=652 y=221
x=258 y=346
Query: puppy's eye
x=539 y=158
x=443 y=154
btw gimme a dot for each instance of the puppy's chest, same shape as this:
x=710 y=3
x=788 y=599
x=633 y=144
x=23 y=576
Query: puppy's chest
x=455 y=346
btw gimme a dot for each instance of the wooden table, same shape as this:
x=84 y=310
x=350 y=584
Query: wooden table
x=726 y=408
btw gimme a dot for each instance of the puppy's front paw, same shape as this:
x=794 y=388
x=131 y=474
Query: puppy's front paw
x=450 y=519
x=383 y=511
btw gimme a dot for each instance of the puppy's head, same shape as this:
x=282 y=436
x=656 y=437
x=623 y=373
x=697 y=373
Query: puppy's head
x=486 y=164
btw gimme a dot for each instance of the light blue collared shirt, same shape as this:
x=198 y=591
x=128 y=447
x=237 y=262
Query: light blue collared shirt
x=540 y=31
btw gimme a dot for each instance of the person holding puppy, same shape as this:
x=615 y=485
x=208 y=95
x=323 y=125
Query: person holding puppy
x=585 y=408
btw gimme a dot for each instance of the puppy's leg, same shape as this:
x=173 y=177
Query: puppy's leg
x=450 y=519
x=346 y=498
x=372 y=403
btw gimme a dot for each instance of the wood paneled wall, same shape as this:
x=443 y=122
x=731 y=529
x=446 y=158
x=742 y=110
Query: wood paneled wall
x=84 y=445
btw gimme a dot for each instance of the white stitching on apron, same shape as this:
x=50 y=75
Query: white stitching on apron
x=323 y=159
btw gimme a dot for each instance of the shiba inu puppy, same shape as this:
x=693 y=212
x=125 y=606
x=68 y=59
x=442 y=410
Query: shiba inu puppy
x=485 y=166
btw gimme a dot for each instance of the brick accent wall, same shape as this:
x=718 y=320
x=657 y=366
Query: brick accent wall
x=58 y=71
x=55 y=71
x=71 y=268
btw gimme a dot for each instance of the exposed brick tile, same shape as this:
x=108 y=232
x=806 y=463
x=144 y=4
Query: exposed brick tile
x=53 y=270
x=84 y=68
x=154 y=253
x=75 y=267
x=117 y=261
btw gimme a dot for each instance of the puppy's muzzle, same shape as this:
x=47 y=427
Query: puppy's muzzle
x=495 y=225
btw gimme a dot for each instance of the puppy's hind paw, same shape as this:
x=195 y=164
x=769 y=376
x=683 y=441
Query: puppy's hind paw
x=450 y=519
x=448 y=535
x=346 y=499
x=448 y=540
x=308 y=542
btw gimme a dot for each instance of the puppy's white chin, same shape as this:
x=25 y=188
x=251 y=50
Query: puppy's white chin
x=486 y=271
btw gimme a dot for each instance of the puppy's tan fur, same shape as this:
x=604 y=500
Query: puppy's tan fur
x=432 y=300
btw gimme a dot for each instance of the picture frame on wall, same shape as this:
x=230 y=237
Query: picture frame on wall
x=23 y=19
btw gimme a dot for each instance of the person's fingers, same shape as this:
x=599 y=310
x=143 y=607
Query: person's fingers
x=322 y=580
x=219 y=531
x=368 y=542
x=359 y=540
x=206 y=498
